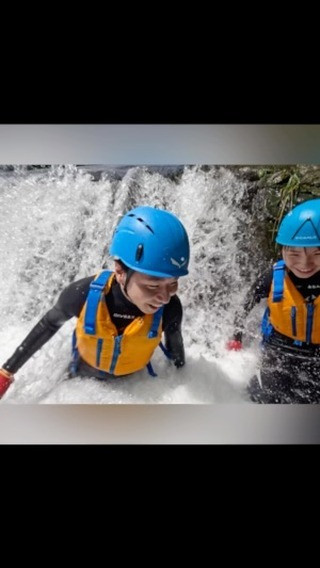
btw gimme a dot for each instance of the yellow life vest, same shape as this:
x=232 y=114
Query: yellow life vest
x=292 y=315
x=104 y=349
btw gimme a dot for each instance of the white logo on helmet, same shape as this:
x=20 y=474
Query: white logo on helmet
x=178 y=264
x=306 y=237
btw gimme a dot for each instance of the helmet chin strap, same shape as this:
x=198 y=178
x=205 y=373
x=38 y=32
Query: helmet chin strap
x=129 y=273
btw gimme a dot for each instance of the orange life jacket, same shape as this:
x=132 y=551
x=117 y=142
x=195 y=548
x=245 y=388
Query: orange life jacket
x=289 y=313
x=97 y=338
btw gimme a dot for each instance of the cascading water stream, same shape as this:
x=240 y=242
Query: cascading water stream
x=56 y=225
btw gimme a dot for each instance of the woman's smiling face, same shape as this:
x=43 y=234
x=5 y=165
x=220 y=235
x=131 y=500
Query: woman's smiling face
x=302 y=261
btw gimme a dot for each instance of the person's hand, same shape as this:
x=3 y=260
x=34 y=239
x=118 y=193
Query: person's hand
x=233 y=345
x=6 y=379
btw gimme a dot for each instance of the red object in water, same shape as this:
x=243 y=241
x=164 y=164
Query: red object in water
x=234 y=345
x=5 y=382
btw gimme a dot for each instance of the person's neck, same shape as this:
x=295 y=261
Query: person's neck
x=125 y=294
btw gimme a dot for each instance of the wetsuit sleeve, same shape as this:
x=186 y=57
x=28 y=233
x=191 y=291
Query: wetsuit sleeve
x=69 y=304
x=172 y=319
x=259 y=290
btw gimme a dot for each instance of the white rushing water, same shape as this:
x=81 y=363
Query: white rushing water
x=56 y=225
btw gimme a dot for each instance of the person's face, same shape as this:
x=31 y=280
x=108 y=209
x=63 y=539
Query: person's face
x=302 y=261
x=147 y=292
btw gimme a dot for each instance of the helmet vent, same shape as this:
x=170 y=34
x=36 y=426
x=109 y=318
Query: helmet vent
x=139 y=252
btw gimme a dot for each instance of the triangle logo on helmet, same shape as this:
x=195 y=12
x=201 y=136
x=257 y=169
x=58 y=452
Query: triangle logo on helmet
x=307 y=231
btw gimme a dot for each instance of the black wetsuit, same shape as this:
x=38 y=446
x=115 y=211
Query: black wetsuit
x=289 y=373
x=122 y=312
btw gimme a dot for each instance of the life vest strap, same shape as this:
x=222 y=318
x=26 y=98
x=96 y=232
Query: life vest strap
x=266 y=326
x=155 y=323
x=278 y=280
x=95 y=292
x=150 y=370
x=165 y=350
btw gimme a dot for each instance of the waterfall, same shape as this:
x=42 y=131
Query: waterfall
x=56 y=226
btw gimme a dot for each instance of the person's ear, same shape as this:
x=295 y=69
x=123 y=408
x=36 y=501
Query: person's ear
x=120 y=273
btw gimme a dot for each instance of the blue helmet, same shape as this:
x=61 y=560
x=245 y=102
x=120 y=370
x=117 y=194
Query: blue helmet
x=152 y=241
x=301 y=226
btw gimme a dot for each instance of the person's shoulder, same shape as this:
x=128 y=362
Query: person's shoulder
x=78 y=287
x=73 y=297
x=80 y=284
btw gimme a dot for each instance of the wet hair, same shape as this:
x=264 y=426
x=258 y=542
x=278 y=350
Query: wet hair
x=122 y=264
